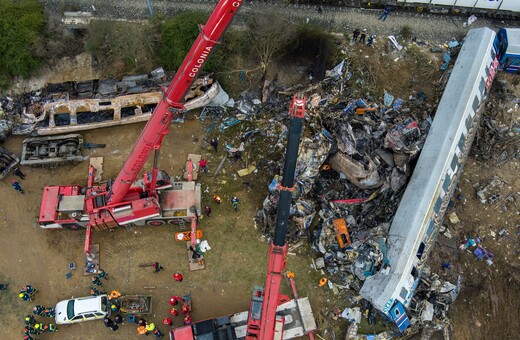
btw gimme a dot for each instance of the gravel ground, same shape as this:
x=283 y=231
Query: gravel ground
x=426 y=27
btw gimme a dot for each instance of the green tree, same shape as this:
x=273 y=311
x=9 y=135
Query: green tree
x=177 y=37
x=121 y=43
x=21 y=24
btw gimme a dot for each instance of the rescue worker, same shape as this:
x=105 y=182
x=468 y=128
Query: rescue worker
x=94 y=291
x=207 y=210
x=174 y=300
x=29 y=330
x=118 y=319
x=102 y=274
x=38 y=310
x=167 y=321
x=16 y=186
x=51 y=328
x=371 y=40
x=96 y=281
x=385 y=13
x=203 y=166
x=114 y=295
x=217 y=199
x=142 y=322
x=114 y=308
x=29 y=290
x=174 y=311
x=157 y=267
x=177 y=277
x=185 y=308
x=150 y=328
x=19 y=173
x=27 y=337
x=49 y=312
x=363 y=36
x=158 y=333
x=3 y=286
x=29 y=320
x=141 y=330
x=355 y=34
x=24 y=296
x=187 y=320
x=235 y=202
x=214 y=143
x=111 y=324
x=38 y=328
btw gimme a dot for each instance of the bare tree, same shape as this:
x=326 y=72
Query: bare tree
x=270 y=36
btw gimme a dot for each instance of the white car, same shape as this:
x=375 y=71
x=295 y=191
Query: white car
x=82 y=309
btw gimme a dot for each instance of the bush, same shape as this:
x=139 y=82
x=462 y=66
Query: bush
x=177 y=36
x=406 y=32
x=122 y=43
x=21 y=23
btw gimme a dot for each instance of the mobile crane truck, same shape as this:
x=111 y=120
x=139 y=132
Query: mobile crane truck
x=271 y=315
x=154 y=199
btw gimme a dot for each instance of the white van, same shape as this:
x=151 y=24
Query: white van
x=82 y=309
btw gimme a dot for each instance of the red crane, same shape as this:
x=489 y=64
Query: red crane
x=122 y=201
x=263 y=323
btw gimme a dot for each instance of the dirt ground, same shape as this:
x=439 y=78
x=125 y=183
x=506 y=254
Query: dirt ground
x=486 y=309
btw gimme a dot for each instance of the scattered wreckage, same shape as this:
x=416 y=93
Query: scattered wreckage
x=372 y=216
x=7 y=162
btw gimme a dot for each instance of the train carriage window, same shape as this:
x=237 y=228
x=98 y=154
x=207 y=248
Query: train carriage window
x=403 y=295
x=447 y=183
x=454 y=163
x=62 y=119
x=476 y=104
x=420 y=251
x=469 y=122
x=493 y=54
x=481 y=88
x=462 y=141
x=437 y=206
x=429 y=231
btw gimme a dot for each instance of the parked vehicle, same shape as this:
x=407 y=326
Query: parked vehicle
x=82 y=309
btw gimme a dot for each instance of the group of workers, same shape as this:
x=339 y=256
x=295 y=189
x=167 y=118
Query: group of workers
x=27 y=293
x=96 y=281
x=146 y=328
x=33 y=327
x=185 y=310
x=217 y=199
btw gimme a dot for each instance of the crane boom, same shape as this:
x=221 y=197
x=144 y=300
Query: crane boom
x=158 y=126
x=263 y=325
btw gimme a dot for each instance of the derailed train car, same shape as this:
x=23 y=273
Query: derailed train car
x=416 y=223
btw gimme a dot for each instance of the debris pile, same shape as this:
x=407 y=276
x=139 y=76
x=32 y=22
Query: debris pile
x=354 y=163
